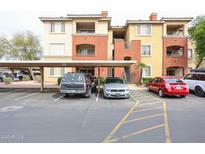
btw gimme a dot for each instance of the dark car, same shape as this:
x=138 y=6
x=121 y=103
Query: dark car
x=76 y=83
x=168 y=86
x=4 y=75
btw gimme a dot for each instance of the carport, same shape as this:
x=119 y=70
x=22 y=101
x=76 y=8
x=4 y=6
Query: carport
x=43 y=64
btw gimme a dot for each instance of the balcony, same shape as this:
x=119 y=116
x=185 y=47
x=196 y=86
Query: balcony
x=85 y=27
x=85 y=50
x=175 y=31
x=175 y=51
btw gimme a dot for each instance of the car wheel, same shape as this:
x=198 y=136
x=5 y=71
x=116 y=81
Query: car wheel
x=1 y=80
x=161 y=93
x=20 y=78
x=88 y=93
x=199 y=91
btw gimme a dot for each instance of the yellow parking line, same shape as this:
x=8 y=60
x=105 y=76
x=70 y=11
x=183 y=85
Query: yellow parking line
x=143 y=118
x=120 y=123
x=150 y=103
x=147 y=109
x=136 y=133
x=167 y=132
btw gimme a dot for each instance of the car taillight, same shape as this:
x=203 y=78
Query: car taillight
x=186 y=87
x=84 y=86
x=168 y=86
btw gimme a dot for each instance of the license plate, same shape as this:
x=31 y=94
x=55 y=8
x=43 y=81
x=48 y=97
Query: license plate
x=71 y=91
x=178 y=87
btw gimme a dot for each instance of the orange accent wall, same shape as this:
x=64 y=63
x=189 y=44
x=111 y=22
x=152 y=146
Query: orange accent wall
x=175 y=61
x=133 y=51
x=101 y=46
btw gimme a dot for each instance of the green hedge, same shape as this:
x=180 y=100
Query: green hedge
x=102 y=79
x=7 y=80
x=145 y=80
x=59 y=80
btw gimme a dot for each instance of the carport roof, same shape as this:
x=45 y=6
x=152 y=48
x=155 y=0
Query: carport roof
x=76 y=63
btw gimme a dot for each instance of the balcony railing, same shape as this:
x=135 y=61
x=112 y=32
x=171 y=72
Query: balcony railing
x=85 y=52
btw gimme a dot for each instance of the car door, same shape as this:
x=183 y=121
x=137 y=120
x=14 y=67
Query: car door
x=159 y=84
x=153 y=86
x=189 y=81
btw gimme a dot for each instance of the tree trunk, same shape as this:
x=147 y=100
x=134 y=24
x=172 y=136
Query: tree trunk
x=140 y=76
x=199 y=63
x=31 y=73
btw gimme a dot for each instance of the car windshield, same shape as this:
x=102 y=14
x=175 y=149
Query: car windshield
x=114 y=80
x=173 y=81
x=72 y=78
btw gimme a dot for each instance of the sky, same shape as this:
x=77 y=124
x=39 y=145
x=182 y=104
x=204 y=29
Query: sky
x=24 y=15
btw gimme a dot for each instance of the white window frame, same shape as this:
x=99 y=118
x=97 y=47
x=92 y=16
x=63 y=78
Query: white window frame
x=150 y=71
x=56 y=75
x=191 y=53
x=150 y=50
x=56 y=54
x=138 y=25
x=62 y=23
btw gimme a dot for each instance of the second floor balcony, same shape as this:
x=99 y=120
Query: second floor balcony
x=175 y=51
x=85 y=50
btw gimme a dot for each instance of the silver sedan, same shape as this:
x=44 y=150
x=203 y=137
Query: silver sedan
x=115 y=87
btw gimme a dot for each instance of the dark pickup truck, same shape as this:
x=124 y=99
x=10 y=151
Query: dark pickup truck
x=75 y=83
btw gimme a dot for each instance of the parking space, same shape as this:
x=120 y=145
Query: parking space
x=29 y=116
x=26 y=115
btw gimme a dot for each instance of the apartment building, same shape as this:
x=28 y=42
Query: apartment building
x=161 y=44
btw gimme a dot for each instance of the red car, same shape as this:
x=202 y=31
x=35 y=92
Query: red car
x=168 y=86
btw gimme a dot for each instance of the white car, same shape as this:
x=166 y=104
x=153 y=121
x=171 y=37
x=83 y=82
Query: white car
x=196 y=82
x=115 y=87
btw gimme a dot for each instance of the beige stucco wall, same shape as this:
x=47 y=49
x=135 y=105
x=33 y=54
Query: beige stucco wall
x=48 y=78
x=155 y=40
x=64 y=37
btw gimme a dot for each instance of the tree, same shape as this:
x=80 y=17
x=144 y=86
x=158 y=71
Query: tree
x=197 y=33
x=25 y=46
x=4 y=46
x=141 y=66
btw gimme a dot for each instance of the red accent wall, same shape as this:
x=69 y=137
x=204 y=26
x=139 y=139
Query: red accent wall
x=175 y=61
x=133 y=51
x=101 y=46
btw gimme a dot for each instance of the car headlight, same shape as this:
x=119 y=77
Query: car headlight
x=127 y=90
x=107 y=90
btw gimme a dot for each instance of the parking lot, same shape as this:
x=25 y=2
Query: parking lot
x=26 y=115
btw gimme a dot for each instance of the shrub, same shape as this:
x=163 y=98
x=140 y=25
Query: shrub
x=102 y=79
x=59 y=80
x=26 y=78
x=38 y=78
x=7 y=80
x=146 y=80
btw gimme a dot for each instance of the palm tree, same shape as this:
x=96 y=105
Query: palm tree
x=141 y=66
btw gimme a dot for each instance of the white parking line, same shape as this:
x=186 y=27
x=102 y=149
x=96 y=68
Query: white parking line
x=18 y=98
x=97 y=98
x=58 y=98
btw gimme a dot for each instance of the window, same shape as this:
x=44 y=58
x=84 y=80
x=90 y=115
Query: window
x=144 y=29
x=51 y=72
x=57 y=49
x=57 y=27
x=146 y=71
x=85 y=50
x=190 y=53
x=56 y=72
x=146 y=50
